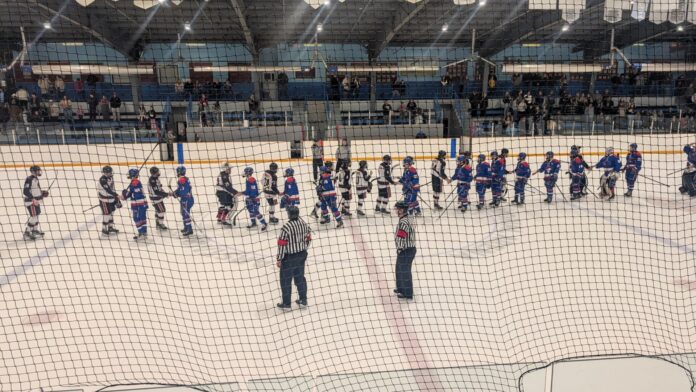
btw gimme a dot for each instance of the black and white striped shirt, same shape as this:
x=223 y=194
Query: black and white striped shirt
x=295 y=236
x=405 y=235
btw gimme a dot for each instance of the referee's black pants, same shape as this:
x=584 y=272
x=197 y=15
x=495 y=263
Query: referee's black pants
x=292 y=267
x=316 y=164
x=404 y=278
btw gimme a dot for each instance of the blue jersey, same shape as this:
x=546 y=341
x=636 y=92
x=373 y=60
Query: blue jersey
x=690 y=155
x=183 y=188
x=251 y=190
x=577 y=169
x=463 y=174
x=326 y=185
x=290 y=190
x=135 y=193
x=410 y=181
x=634 y=161
x=550 y=168
x=522 y=170
x=483 y=172
x=610 y=163
x=498 y=168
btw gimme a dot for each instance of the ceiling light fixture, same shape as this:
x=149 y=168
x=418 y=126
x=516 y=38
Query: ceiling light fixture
x=445 y=27
x=482 y=3
x=47 y=25
x=565 y=27
x=320 y=27
x=680 y=28
x=187 y=26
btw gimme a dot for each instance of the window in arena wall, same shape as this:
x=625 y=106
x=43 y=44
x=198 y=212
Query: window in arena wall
x=167 y=74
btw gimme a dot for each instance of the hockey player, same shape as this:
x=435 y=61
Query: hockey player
x=253 y=204
x=157 y=195
x=503 y=162
x=462 y=174
x=522 y=174
x=291 y=194
x=183 y=193
x=317 y=188
x=33 y=197
x=225 y=193
x=611 y=164
x=437 y=172
x=343 y=179
x=577 y=173
x=109 y=200
x=410 y=186
x=575 y=153
x=270 y=190
x=136 y=194
x=328 y=197
x=689 y=175
x=634 y=162
x=362 y=185
x=384 y=184
x=498 y=172
x=550 y=168
x=483 y=179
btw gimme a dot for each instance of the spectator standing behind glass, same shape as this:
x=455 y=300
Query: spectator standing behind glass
x=43 y=86
x=34 y=107
x=80 y=88
x=342 y=155
x=142 y=116
x=217 y=109
x=115 y=104
x=104 y=108
x=507 y=103
x=59 y=85
x=355 y=87
x=179 y=87
x=152 y=117
x=4 y=116
x=346 y=86
x=386 y=110
x=317 y=157
x=253 y=105
x=412 y=107
x=53 y=109
x=92 y=103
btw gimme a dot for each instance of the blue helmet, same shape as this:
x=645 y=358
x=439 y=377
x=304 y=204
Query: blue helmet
x=481 y=158
x=494 y=154
x=180 y=171
x=549 y=155
x=522 y=156
x=609 y=151
x=461 y=160
x=248 y=171
x=408 y=160
x=289 y=172
x=133 y=173
x=633 y=147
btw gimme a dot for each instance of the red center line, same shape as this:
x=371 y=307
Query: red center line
x=425 y=378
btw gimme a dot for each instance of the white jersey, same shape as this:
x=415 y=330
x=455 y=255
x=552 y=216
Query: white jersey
x=32 y=190
x=343 y=179
x=106 y=189
x=362 y=179
x=437 y=169
x=384 y=176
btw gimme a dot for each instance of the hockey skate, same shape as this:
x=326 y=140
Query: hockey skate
x=113 y=230
x=161 y=226
x=324 y=220
x=360 y=213
x=339 y=224
x=313 y=214
x=548 y=199
x=105 y=232
x=438 y=207
x=251 y=225
x=575 y=196
x=140 y=236
x=682 y=190
x=283 y=306
x=187 y=232
x=463 y=208
x=37 y=233
x=628 y=193
x=29 y=236
x=226 y=223
x=345 y=212
x=479 y=206
x=612 y=196
x=273 y=220
x=264 y=227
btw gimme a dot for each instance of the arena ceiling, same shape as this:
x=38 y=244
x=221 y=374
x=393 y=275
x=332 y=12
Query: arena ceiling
x=376 y=24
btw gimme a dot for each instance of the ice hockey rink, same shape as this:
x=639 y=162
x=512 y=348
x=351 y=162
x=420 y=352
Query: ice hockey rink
x=498 y=292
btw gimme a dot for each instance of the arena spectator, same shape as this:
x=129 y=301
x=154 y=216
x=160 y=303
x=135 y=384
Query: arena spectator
x=334 y=85
x=2 y=96
x=179 y=87
x=507 y=103
x=355 y=87
x=474 y=103
x=412 y=107
x=115 y=104
x=22 y=98
x=142 y=118
x=253 y=105
x=345 y=83
x=444 y=84
x=483 y=105
x=4 y=116
x=509 y=124
x=492 y=81
x=283 y=82
x=521 y=113
x=92 y=104
x=34 y=107
x=44 y=86
x=59 y=85
x=66 y=108
x=79 y=88
x=202 y=104
x=105 y=108
x=386 y=110
x=217 y=109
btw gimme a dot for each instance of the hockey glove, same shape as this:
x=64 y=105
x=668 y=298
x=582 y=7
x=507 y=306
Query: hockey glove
x=44 y=193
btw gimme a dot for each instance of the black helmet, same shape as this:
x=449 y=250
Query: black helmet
x=107 y=170
x=362 y=164
x=34 y=169
x=273 y=167
x=293 y=212
x=504 y=152
x=386 y=158
x=401 y=205
x=441 y=154
x=154 y=171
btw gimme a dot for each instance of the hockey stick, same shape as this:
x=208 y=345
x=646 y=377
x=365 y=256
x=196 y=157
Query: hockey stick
x=149 y=155
x=675 y=172
x=561 y=192
x=655 y=181
x=449 y=204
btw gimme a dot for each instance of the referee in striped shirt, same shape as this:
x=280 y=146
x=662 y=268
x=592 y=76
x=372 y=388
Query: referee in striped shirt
x=405 y=250
x=295 y=236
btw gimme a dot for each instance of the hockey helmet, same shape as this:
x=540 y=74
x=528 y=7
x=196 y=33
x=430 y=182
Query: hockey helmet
x=408 y=160
x=35 y=170
x=362 y=164
x=180 y=171
x=609 y=151
x=481 y=158
x=441 y=154
x=225 y=167
x=467 y=154
x=522 y=156
x=107 y=170
x=154 y=171
x=494 y=154
x=273 y=167
x=293 y=212
x=133 y=173
x=504 y=152
x=248 y=171
x=401 y=205
x=289 y=172
x=325 y=169
x=386 y=158
x=633 y=147
x=461 y=160
x=549 y=155
x=329 y=165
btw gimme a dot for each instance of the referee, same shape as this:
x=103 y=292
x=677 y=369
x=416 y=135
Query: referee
x=405 y=250
x=295 y=236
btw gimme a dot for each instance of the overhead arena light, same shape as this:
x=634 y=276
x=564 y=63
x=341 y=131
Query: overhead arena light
x=296 y=68
x=47 y=25
x=668 y=67
x=552 y=68
x=316 y=3
x=84 y=3
x=71 y=69
x=187 y=26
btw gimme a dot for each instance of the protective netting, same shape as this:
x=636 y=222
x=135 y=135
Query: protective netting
x=572 y=263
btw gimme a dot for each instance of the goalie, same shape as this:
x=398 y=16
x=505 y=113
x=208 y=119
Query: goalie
x=611 y=164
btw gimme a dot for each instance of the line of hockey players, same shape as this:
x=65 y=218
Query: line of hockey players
x=486 y=175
